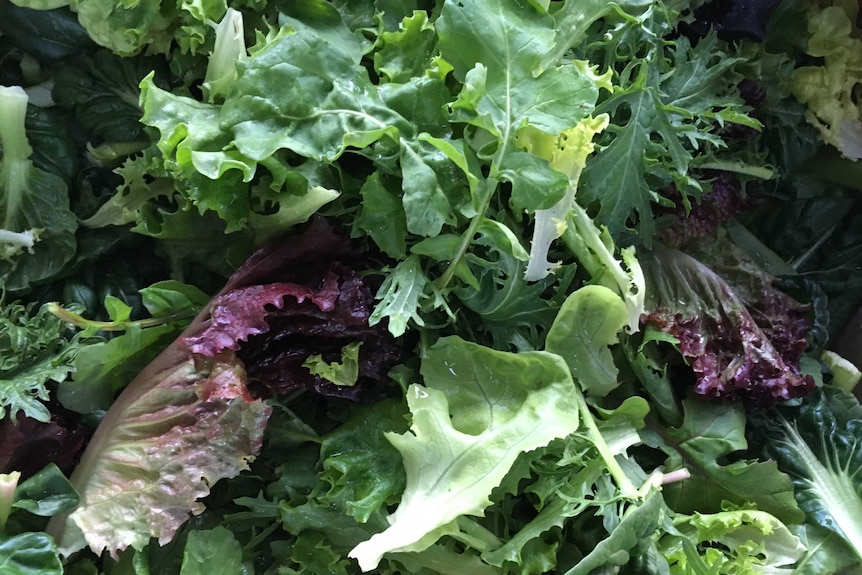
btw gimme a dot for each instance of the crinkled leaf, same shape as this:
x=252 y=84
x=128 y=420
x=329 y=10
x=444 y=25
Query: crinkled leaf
x=734 y=541
x=405 y=53
x=177 y=429
x=326 y=100
x=743 y=337
x=33 y=352
x=364 y=470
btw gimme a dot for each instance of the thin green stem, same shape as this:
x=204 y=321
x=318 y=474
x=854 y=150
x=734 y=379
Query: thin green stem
x=84 y=323
x=467 y=237
x=628 y=489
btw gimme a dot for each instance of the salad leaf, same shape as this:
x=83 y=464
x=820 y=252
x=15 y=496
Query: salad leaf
x=35 y=350
x=827 y=89
x=179 y=425
x=212 y=550
x=671 y=98
x=568 y=154
x=636 y=522
x=194 y=395
x=588 y=322
x=818 y=451
x=703 y=444
x=732 y=354
x=29 y=554
x=36 y=227
x=475 y=401
x=826 y=552
x=755 y=542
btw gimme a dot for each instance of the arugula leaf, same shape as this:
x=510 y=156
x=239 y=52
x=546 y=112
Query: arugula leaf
x=711 y=433
x=665 y=112
x=636 y=522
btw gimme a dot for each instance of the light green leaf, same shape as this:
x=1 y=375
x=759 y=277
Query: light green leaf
x=479 y=409
x=745 y=541
x=509 y=39
x=344 y=372
x=117 y=309
x=400 y=295
x=172 y=297
x=588 y=322
x=535 y=185
x=406 y=53
x=304 y=93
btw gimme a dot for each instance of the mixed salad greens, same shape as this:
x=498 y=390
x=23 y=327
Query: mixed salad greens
x=456 y=287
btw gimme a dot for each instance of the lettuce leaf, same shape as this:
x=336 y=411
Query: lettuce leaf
x=189 y=419
x=743 y=337
x=182 y=425
x=742 y=541
x=829 y=89
x=479 y=409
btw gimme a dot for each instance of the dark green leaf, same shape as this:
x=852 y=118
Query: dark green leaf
x=47 y=493
x=212 y=551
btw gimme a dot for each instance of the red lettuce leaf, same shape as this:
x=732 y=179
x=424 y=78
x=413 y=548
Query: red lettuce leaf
x=190 y=418
x=743 y=339
x=28 y=445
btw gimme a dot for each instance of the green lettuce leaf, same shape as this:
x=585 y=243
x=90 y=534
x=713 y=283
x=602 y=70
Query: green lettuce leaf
x=211 y=551
x=479 y=409
x=587 y=323
x=744 y=541
x=828 y=89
